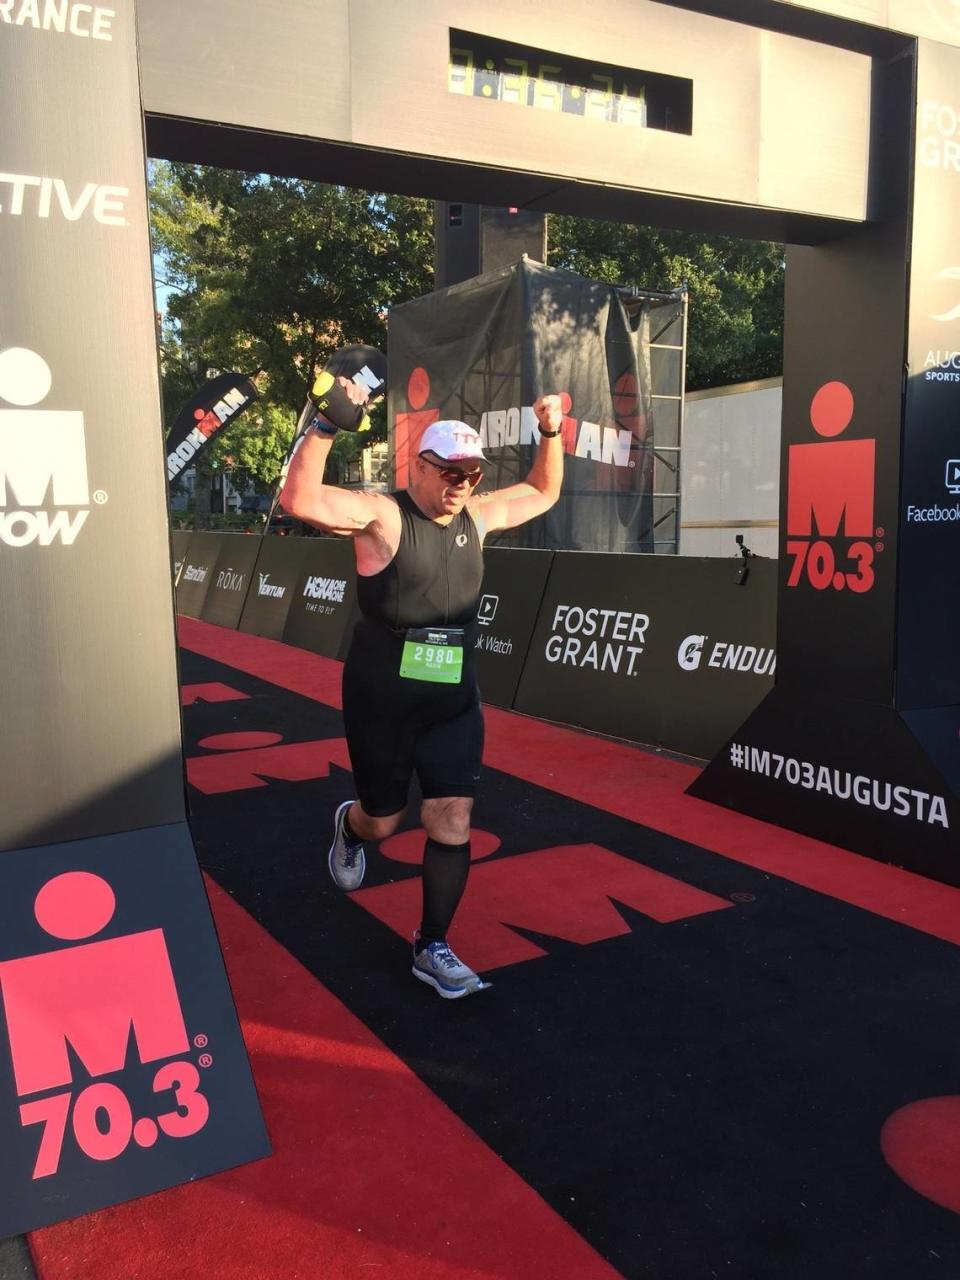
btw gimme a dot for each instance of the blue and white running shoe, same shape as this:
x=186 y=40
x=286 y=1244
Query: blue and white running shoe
x=347 y=862
x=446 y=972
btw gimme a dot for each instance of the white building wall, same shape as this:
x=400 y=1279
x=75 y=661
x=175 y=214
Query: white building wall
x=730 y=469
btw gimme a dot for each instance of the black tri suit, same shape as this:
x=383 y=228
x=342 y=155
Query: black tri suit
x=397 y=725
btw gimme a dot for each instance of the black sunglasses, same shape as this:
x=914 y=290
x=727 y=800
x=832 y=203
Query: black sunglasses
x=456 y=475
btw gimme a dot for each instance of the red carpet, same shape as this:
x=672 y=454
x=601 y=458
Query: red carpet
x=690 y=1063
x=372 y=1176
x=638 y=785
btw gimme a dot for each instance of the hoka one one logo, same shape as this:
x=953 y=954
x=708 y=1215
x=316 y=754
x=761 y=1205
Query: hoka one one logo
x=318 y=588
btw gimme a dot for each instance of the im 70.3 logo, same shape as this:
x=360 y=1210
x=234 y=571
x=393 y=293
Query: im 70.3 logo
x=830 y=501
x=79 y=1008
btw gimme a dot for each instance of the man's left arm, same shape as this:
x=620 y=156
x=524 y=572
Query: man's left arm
x=506 y=508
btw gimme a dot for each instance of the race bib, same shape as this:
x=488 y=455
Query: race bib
x=434 y=654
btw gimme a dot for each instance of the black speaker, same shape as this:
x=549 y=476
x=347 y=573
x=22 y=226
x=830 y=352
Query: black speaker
x=471 y=239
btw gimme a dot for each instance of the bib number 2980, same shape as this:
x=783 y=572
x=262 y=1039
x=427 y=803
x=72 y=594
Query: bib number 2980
x=437 y=657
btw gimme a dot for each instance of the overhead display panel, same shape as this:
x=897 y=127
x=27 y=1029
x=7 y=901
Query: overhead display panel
x=644 y=103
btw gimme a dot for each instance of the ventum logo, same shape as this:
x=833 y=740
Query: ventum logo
x=78 y=1014
x=44 y=493
x=832 y=540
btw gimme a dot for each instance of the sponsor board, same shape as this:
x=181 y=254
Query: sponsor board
x=197 y=574
x=663 y=650
x=230 y=579
x=323 y=600
x=273 y=585
x=513 y=583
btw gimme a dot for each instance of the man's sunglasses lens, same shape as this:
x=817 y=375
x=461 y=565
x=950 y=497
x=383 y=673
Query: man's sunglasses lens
x=454 y=476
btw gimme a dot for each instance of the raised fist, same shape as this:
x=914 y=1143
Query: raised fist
x=549 y=413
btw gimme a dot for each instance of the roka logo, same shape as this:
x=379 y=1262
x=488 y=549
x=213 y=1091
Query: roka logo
x=43 y=461
x=830 y=501
x=91 y=1005
x=229 y=580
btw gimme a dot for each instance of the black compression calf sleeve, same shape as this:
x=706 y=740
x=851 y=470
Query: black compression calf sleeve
x=445 y=870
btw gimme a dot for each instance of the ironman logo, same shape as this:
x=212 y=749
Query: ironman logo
x=831 y=538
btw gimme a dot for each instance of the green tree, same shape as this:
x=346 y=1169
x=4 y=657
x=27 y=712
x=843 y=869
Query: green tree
x=269 y=276
x=735 y=330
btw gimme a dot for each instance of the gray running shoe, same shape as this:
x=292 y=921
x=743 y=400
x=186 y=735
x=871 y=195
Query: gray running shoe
x=346 y=861
x=438 y=965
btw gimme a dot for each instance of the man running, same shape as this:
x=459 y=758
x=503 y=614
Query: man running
x=410 y=696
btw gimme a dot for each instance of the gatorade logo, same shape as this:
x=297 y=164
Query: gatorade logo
x=44 y=493
x=690 y=652
x=726 y=656
x=830 y=501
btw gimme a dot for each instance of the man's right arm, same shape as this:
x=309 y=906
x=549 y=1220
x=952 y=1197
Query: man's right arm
x=325 y=506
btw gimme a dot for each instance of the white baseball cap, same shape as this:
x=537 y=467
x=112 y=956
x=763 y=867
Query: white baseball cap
x=452 y=441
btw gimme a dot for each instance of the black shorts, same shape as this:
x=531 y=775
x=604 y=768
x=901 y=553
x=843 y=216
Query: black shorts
x=397 y=727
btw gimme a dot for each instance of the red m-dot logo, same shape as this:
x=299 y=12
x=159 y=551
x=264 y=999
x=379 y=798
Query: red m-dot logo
x=830 y=500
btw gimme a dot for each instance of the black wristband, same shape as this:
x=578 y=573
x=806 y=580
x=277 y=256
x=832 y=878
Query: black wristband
x=549 y=434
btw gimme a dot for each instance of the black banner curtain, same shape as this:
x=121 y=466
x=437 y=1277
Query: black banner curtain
x=482 y=351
